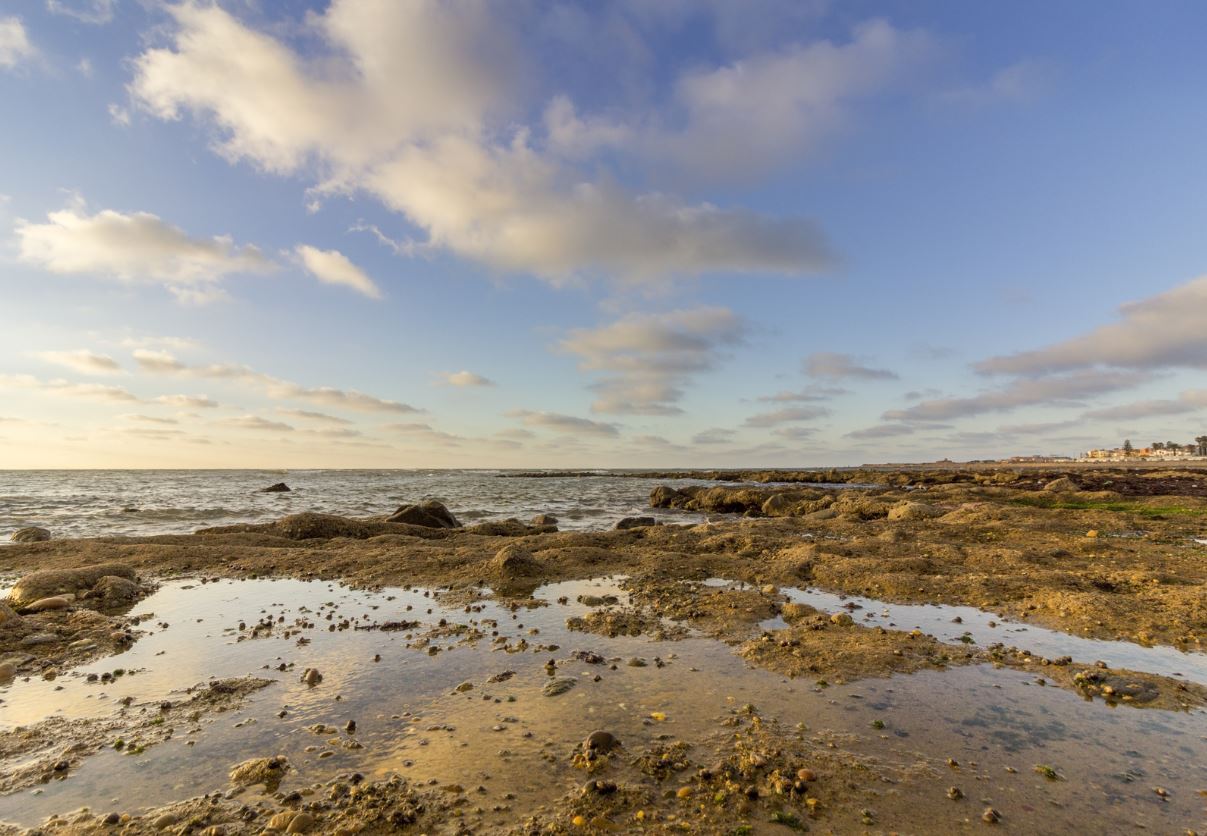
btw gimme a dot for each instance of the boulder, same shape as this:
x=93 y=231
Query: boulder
x=1062 y=485
x=635 y=522
x=664 y=497
x=779 y=505
x=279 y=487
x=513 y=561
x=51 y=582
x=909 y=511
x=114 y=591
x=429 y=514
x=32 y=534
x=308 y=526
x=544 y=520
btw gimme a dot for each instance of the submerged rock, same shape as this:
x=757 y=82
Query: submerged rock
x=556 y=687
x=429 y=514
x=266 y=771
x=279 y=487
x=33 y=534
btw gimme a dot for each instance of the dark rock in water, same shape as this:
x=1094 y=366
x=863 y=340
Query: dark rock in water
x=279 y=487
x=557 y=687
x=30 y=535
x=544 y=519
x=635 y=522
x=430 y=514
x=664 y=497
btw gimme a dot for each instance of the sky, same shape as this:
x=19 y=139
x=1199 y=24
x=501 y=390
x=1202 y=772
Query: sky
x=640 y=233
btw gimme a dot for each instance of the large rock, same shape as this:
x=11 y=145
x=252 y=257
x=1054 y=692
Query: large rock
x=113 y=591
x=430 y=514
x=635 y=522
x=279 y=487
x=514 y=561
x=910 y=511
x=664 y=497
x=32 y=534
x=48 y=583
x=779 y=505
x=542 y=520
x=1062 y=485
x=309 y=526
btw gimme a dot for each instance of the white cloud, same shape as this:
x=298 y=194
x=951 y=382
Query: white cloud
x=769 y=108
x=333 y=267
x=58 y=386
x=1163 y=331
x=424 y=433
x=843 y=367
x=1193 y=400
x=83 y=361
x=439 y=151
x=318 y=417
x=882 y=431
x=14 y=43
x=465 y=378
x=647 y=359
x=164 y=363
x=1018 y=82
x=255 y=422
x=812 y=394
x=149 y=419
x=716 y=435
x=157 y=361
x=187 y=401
x=565 y=423
x=1063 y=390
x=137 y=247
x=85 y=11
x=786 y=416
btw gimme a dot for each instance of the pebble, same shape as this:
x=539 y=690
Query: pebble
x=991 y=816
x=312 y=677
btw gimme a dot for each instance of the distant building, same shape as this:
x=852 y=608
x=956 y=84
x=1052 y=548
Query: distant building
x=1143 y=454
x=1038 y=459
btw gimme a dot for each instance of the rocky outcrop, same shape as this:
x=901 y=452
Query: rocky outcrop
x=33 y=534
x=429 y=514
x=279 y=487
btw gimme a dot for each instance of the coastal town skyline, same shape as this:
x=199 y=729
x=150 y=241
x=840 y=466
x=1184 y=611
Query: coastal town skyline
x=635 y=234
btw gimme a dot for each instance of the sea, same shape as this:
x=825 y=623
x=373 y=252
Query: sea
x=101 y=503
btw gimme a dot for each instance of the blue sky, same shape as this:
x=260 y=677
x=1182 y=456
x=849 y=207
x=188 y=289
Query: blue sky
x=376 y=233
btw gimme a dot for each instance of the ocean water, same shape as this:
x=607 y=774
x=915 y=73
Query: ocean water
x=90 y=503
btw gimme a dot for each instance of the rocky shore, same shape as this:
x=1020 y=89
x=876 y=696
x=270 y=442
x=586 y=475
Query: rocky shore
x=1102 y=554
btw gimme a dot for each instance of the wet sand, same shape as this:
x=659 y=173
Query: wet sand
x=1006 y=657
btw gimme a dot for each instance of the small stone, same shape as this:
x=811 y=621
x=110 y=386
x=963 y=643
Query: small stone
x=312 y=677
x=991 y=816
x=302 y=823
x=955 y=793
